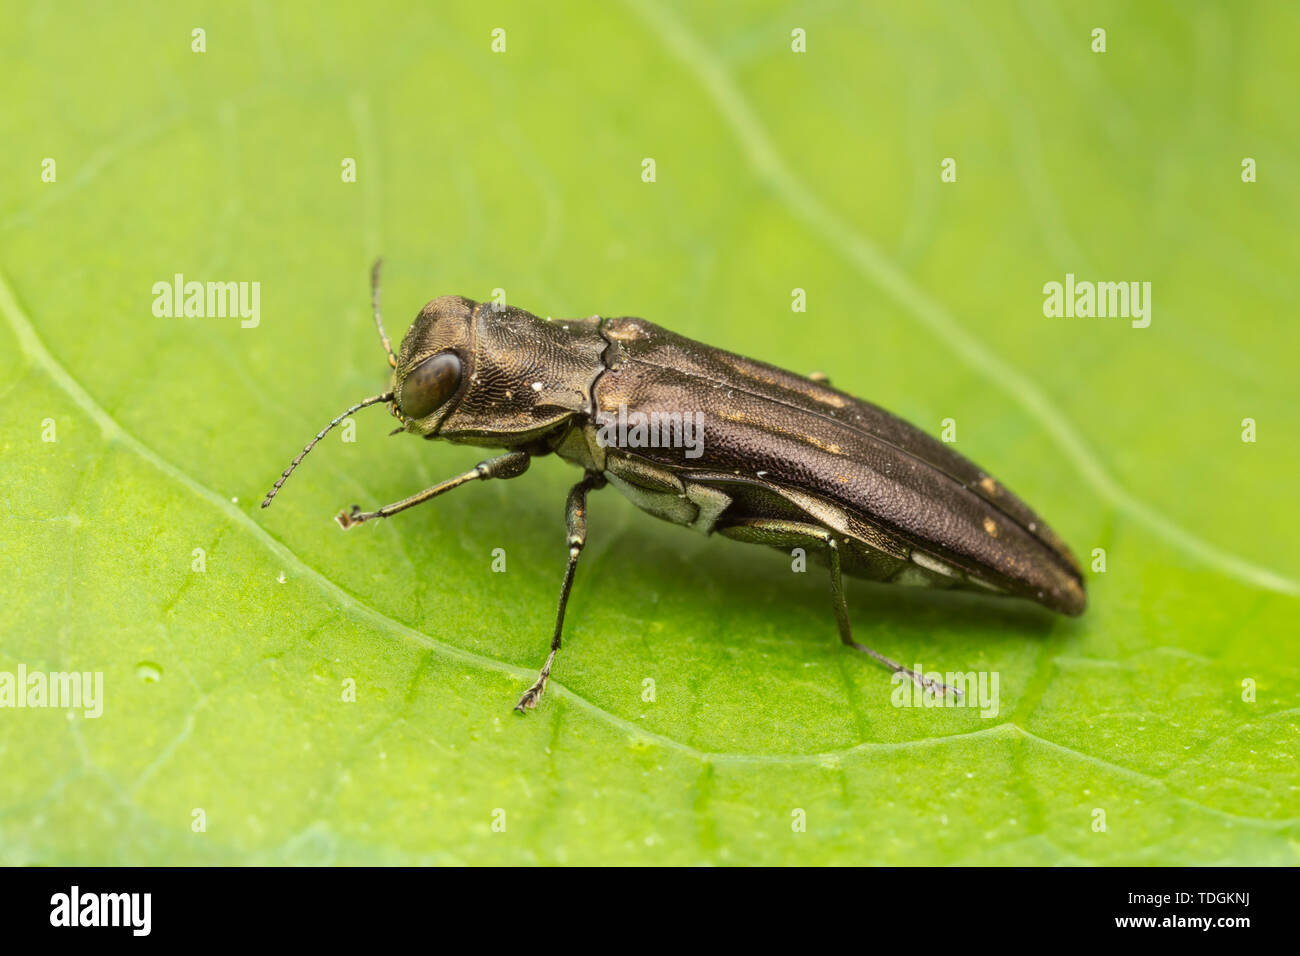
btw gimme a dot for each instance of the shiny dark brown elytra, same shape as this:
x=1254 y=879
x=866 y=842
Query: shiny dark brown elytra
x=783 y=460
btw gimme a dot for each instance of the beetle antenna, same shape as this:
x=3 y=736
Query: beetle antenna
x=373 y=400
x=374 y=304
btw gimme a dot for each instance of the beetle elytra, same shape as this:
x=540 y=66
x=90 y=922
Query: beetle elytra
x=780 y=459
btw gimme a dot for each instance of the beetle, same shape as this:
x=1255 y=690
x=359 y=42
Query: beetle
x=779 y=459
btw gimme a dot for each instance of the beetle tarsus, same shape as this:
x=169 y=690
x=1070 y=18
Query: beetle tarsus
x=925 y=683
x=347 y=519
x=531 y=696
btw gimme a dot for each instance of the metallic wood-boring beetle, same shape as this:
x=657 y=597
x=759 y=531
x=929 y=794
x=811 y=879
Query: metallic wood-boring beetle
x=783 y=459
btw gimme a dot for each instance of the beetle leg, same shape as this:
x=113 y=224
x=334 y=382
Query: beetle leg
x=846 y=629
x=575 y=520
x=781 y=533
x=510 y=465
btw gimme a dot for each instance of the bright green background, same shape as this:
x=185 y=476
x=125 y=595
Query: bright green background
x=522 y=171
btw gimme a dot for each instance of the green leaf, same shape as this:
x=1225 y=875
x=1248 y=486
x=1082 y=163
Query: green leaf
x=224 y=688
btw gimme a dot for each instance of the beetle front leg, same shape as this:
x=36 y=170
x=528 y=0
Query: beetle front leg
x=575 y=520
x=510 y=465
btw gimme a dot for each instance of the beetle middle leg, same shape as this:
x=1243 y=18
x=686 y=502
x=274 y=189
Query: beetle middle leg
x=575 y=520
x=769 y=530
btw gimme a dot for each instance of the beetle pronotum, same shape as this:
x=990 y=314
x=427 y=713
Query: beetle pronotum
x=783 y=459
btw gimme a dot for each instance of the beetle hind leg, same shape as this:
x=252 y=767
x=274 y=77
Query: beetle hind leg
x=781 y=533
x=846 y=629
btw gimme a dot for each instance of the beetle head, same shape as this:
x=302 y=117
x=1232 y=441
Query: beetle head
x=489 y=374
x=434 y=364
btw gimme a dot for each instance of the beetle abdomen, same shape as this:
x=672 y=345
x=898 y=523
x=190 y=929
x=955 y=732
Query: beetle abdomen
x=767 y=424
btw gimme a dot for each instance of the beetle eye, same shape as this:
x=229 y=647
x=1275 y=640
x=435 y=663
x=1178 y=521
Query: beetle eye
x=429 y=384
